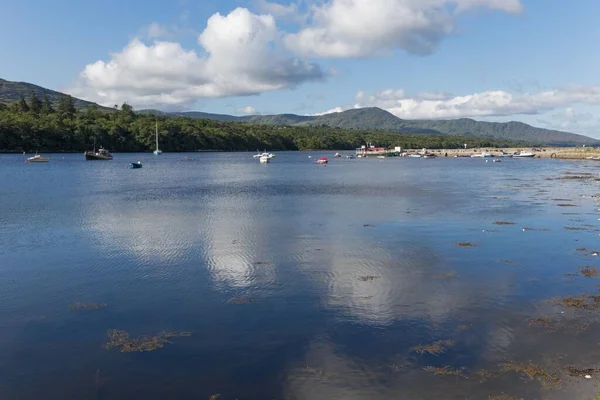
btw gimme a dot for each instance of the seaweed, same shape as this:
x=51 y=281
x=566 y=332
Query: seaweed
x=368 y=278
x=465 y=244
x=445 y=370
x=532 y=372
x=240 y=300
x=590 y=272
x=121 y=340
x=79 y=306
x=435 y=348
x=504 y=223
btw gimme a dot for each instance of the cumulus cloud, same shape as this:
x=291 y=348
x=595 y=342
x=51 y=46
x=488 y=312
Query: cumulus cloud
x=246 y=110
x=278 y=10
x=491 y=103
x=359 y=28
x=241 y=57
x=156 y=30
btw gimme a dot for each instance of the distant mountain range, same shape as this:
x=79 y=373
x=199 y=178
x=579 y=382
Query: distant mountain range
x=371 y=118
x=374 y=118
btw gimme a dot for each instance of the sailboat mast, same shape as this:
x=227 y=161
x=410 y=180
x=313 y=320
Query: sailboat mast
x=157 y=134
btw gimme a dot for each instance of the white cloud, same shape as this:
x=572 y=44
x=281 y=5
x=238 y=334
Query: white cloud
x=246 y=110
x=358 y=28
x=278 y=10
x=492 y=103
x=241 y=57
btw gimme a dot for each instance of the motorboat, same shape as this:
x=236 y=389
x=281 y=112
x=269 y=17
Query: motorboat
x=350 y=157
x=265 y=159
x=157 y=151
x=135 y=165
x=337 y=155
x=505 y=155
x=523 y=154
x=482 y=155
x=264 y=154
x=37 y=158
x=414 y=156
x=101 y=154
x=497 y=160
x=322 y=160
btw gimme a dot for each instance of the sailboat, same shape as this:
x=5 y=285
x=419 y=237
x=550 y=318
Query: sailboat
x=157 y=151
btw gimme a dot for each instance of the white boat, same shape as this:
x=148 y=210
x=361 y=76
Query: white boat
x=497 y=160
x=337 y=155
x=414 y=156
x=506 y=155
x=157 y=151
x=482 y=155
x=38 y=158
x=265 y=154
x=523 y=154
x=265 y=159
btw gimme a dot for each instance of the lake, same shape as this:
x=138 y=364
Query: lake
x=363 y=279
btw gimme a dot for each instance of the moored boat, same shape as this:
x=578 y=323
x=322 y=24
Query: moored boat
x=322 y=160
x=37 y=159
x=523 y=154
x=157 y=151
x=135 y=165
x=482 y=155
x=265 y=159
x=101 y=154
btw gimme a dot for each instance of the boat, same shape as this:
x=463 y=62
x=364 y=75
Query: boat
x=265 y=159
x=337 y=155
x=322 y=160
x=135 y=165
x=101 y=154
x=482 y=155
x=380 y=156
x=157 y=151
x=497 y=160
x=38 y=158
x=431 y=155
x=265 y=154
x=506 y=155
x=523 y=154
x=414 y=156
x=350 y=157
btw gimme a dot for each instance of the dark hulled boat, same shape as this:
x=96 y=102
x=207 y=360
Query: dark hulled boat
x=101 y=154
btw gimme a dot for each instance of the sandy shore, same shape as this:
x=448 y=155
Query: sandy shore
x=574 y=153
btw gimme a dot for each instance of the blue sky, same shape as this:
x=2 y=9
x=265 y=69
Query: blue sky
x=528 y=60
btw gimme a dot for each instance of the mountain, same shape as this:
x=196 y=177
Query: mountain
x=11 y=92
x=374 y=118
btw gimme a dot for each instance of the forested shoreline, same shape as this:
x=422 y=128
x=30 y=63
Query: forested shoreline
x=38 y=125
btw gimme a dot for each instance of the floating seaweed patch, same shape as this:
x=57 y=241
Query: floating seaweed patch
x=484 y=375
x=582 y=249
x=435 y=348
x=504 y=396
x=581 y=373
x=566 y=205
x=510 y=262
x=445 y=370
x=240 y=300
x=121 y=340
x=573 y=228
x=257 y=263
x=449 y=275
x=465 y=244
x=532 y=372
x=504 y=223
x=368 y=278
x=590 y=272
x=79 y=306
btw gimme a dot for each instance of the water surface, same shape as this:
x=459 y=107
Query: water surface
x=340 y=270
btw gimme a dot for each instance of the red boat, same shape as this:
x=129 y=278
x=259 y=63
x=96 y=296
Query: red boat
x=322 y=160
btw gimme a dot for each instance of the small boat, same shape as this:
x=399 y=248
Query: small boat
x=322 y=160
x=101 y=154
x=523 y=154
x=380 y=156
x=157 y=151
x=265 y=159
x=429 y=155
x=496 y=160
x=337 y=155
x=38 y=158
x=414 y=156
x=135 y=165
x=350 y=157
x=482 y=155
x=505 y=155
x=264 y=154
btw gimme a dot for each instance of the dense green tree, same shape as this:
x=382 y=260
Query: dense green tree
x=35 y=103
x=23 y=106
x=47 y=106
x=66 y=108
x=123 y=130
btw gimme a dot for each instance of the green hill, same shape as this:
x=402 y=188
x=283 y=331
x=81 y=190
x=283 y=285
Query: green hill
x=11 y=92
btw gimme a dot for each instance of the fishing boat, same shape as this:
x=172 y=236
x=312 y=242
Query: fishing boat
x=157 y=151
x=37 y=158
x=523 y=154
x=135 y=165
x=264 y=159
x=322 y=160
x=101 y=154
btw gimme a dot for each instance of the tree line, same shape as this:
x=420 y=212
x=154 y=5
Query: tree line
x=39 y=125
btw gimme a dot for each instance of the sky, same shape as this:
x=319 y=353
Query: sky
x=534 y=61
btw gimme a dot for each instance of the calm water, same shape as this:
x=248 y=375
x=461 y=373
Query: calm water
x=345 y=267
